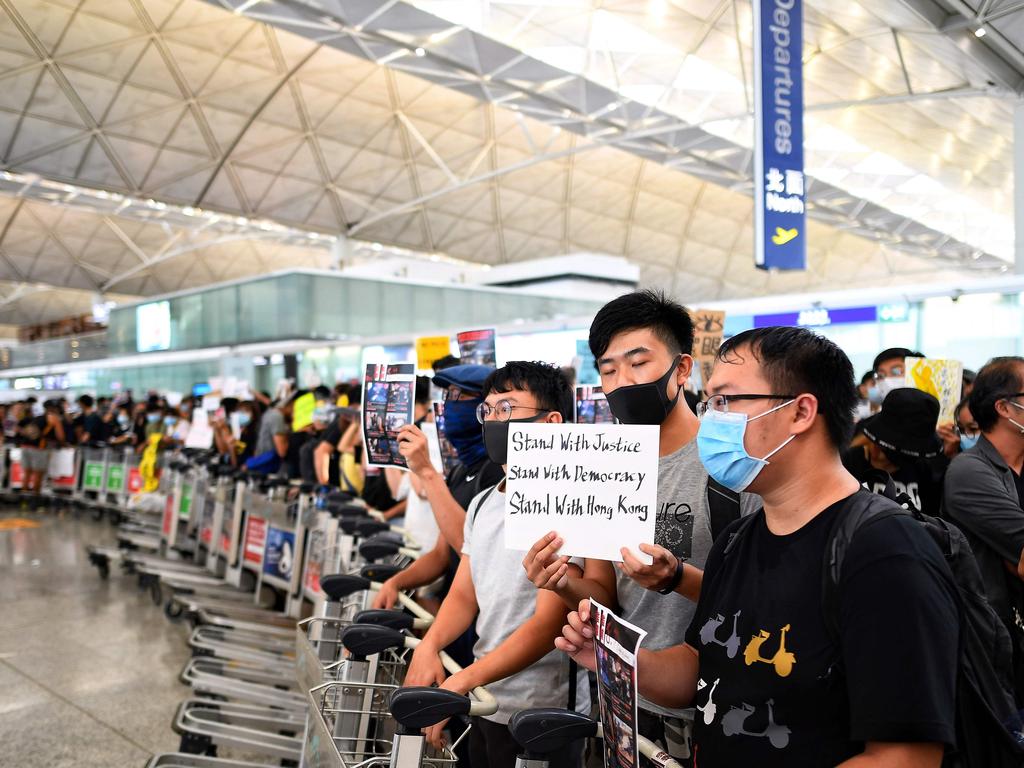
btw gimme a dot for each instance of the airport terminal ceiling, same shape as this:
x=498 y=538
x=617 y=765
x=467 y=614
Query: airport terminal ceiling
x=148 y=146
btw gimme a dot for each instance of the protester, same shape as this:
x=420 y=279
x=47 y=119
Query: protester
x=901 y=443
x=878 y=693
x=275 y=429
x=962 y=434
x=324 y=464
x=889 y=371
x=516 y=623
x=38 y=434
x=984 y=494
x=448 y=498
x=642 y=343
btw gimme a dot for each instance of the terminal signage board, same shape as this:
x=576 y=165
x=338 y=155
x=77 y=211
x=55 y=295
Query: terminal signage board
x=818 y=317
x=780 y=220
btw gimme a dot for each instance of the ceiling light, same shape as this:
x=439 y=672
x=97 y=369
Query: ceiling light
x=420 y=52
x=979 y=32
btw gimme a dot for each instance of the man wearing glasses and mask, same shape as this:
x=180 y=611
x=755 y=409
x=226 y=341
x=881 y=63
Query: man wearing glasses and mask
x=871 y=682
x=517 y=624
x=642 y=343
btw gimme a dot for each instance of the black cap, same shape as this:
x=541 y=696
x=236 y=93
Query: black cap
x=906 y=424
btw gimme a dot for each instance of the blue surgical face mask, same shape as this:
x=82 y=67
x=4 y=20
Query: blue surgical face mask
x=244 y=417
x=968 y=441
x=723 y=453
x=170 y=421
x=152 y=418
x=123 y=421
x=878 y=391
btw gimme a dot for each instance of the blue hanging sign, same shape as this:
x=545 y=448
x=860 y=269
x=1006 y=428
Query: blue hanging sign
x=780 y=221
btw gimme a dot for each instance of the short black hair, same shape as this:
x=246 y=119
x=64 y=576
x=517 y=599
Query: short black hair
x=422 y=395
x=355 y=394
x=797 y=360
x=322 y=393
x=668 y=319
x=868 y=376
x=86 y=401
x=892 y=354
x=542 y=380
x=998 y=379
x=448 y=361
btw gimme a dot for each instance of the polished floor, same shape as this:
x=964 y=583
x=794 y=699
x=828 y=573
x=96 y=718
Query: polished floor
x=88 y=668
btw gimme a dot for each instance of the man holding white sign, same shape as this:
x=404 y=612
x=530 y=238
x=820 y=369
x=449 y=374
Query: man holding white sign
x=642 y=343
x=516 y=624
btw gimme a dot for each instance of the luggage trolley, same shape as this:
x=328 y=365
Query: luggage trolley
x=542 y=732
x=365 y=718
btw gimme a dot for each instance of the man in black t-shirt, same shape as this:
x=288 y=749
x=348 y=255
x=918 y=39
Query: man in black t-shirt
x=770 y=685
x=90 y=428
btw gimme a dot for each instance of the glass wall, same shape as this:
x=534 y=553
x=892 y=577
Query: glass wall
x=332 y=307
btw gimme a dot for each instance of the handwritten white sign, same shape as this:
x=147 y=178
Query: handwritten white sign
x=596 y=486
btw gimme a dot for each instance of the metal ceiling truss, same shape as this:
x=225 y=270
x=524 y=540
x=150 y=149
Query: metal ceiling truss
x=410 y=40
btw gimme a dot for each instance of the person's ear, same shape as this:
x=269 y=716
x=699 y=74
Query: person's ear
x=684 y=370
x=805 y=411
x=554 y=417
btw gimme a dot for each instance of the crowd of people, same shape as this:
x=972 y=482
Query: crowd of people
x=796 y=508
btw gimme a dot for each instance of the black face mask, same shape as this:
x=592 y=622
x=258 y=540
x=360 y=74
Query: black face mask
x=644 y=403
x=496 y=437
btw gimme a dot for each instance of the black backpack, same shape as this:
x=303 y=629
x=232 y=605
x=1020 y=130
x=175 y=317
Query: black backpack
x=988 y=726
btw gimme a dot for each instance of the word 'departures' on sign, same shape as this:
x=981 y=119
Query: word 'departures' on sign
x=595 y=485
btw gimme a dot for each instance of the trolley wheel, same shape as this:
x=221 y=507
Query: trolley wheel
x=173 y=611
x=155 y=592
x=115 y=517
x=104 y=569
x=97 y=513
x=194 y=744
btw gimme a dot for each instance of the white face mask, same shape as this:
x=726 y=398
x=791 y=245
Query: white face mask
x=1018 y=425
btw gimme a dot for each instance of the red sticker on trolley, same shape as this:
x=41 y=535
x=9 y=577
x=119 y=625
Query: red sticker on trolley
x=134 y=480
x=255 y=539
x=225 y=543
x=168 y=520
x=17 y=475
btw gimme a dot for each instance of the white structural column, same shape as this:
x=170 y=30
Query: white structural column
x=1018 y=188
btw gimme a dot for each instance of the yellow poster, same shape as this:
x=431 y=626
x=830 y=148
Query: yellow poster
x=708 y=327
x=147 y=466
x=302 y=411
x=943 y=379
x=430 y=349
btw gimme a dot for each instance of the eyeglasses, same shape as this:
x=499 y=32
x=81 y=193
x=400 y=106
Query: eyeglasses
x=720 y=403
x=896 y=371
x=961 y=432
x=502 y=410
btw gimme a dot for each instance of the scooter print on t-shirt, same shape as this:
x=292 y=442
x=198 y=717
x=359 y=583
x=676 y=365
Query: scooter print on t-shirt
x=783 y=660
x=710 y=628
x=735 y=720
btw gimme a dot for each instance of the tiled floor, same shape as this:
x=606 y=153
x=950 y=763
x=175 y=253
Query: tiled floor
x=88 y=668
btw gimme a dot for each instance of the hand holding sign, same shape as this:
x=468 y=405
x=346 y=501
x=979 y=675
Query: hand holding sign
x=596 y=486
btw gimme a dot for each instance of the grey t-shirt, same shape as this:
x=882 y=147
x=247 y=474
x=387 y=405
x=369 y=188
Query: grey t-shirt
x=271 y=424
x=506 y=599
x=683 y=527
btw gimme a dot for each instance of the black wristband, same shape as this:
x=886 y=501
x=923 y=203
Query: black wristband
x=677 y=579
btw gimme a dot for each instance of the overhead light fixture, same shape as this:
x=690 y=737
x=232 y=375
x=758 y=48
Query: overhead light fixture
x=979 y=32
x=420 y=52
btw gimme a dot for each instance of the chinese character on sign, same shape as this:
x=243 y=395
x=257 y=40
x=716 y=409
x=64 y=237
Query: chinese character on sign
x=794 y=182
x=774 y=177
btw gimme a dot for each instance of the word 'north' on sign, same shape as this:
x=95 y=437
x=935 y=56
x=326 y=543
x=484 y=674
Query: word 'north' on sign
x=596 y=485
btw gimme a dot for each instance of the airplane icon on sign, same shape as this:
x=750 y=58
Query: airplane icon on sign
x=783 y=236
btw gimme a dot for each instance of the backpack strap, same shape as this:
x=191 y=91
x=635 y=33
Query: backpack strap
x=486 y=496
x=860 y=510
x=723 y=507
x=741 y=530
